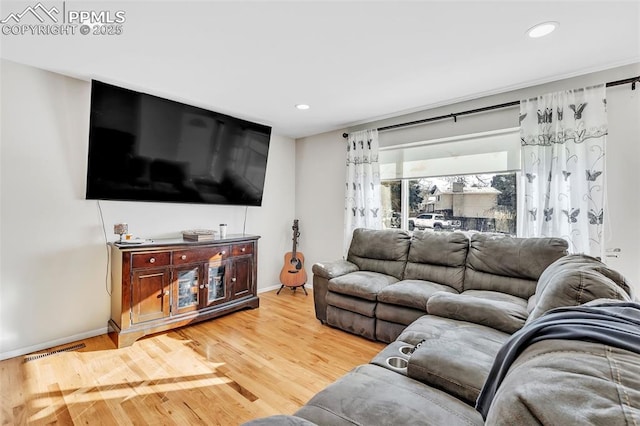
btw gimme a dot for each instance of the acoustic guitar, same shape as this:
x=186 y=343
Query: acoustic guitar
x=293 y=274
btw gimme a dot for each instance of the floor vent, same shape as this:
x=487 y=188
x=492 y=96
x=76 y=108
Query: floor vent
x=57 y=351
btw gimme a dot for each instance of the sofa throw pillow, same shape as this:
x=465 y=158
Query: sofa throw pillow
x=577 y=279
x=501 y=315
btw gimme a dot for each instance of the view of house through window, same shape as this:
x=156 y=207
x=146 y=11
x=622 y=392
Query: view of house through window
x=476 y=202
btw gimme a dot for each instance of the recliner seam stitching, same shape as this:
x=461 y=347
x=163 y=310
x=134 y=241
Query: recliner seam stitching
x=322 y=407
x=618 y=381
x=580 y=289
x=561 y=351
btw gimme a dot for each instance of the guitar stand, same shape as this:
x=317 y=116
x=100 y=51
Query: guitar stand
x=294 y=288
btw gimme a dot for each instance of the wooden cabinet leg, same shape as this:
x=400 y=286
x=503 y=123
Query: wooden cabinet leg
x=122 y=339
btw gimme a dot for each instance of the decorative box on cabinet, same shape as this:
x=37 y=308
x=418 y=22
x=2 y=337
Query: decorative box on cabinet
x=164 y=284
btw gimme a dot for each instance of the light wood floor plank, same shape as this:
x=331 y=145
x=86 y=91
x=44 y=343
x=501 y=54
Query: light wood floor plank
x=249 y=364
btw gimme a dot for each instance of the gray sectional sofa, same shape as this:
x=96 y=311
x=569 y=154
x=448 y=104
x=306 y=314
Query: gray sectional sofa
x=389 y=277
x=530 y=334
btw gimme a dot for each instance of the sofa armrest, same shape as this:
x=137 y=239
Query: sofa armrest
x=500 y=315
x=450 y=365
x=334 y=269
x=322 y=273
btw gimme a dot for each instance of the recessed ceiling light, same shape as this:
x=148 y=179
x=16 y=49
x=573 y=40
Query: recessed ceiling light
x=542 y=29
x=302 y=106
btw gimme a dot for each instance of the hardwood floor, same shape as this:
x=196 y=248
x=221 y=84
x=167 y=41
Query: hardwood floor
x=249 y=364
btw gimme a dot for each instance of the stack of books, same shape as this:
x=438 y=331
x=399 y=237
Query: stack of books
x=199 y=235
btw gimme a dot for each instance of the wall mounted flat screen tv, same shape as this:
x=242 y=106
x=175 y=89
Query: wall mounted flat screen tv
x=146 y=148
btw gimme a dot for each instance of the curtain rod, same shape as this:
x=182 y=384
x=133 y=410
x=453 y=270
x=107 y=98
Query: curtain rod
x=455 y=115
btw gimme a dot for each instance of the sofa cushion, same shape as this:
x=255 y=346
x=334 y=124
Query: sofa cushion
x=411 y=293
x=372 y=395
x=362 y=284
x=497 y=296
x=398 y=314
x=438 y=257
x=496 y=310
x=577 y=279
x=509 y=265
x=576 y=383
x=351 y=322
x=384 y=251
x=353 y=304
x=456 y=356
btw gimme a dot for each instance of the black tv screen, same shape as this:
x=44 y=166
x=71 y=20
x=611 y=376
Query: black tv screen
x=146 y=148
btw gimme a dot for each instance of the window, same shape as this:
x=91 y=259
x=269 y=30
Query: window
x=467 y=183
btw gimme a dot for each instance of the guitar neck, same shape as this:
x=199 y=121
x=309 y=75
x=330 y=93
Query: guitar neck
x=296 y=234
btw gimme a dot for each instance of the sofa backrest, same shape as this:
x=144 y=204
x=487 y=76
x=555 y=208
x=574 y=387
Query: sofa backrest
x=384 y=251
x=576 y=279
x=568 y=382
x=438 y=257
x=509 y=265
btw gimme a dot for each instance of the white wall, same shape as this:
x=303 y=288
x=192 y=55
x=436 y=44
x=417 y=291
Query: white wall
x=622 y=228
x=321 y=158
x=52 y=251
x=320 y=179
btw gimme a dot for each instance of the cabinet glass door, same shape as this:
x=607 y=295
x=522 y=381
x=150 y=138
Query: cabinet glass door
x=216 y=285
x=187 y=288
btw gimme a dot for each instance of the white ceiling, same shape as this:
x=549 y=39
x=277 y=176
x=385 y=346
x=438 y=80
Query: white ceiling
x=351 y=61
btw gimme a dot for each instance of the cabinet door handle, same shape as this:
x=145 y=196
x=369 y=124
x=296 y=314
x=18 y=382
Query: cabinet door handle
x=206 y=285
x=166 y=293
x=202 y=286
x=233 y=280
x=243 y=249
x=223 y=252
x=183 y=257
x=152 y=260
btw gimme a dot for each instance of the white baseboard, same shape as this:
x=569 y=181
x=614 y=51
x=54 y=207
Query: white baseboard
x=277 y=286
x=270 y=288
x=88 y=334
x=52 y=343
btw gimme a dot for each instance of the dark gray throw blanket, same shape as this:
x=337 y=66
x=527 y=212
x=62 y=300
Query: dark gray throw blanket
x=612 y=323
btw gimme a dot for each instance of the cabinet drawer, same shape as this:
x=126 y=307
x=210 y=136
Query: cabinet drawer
x=240 y=249
x=146 y=260
x=181 y=257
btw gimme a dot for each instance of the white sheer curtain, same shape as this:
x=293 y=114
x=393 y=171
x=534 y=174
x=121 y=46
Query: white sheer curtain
x=563 y=153
x=362 y=191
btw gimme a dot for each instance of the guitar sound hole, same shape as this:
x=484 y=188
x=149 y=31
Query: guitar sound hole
x=294 y=261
